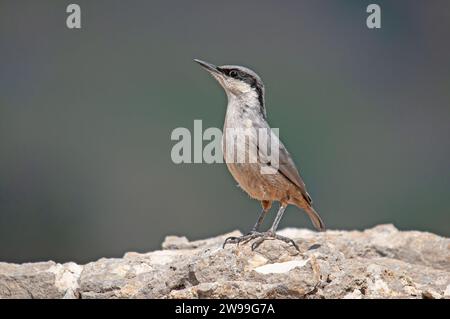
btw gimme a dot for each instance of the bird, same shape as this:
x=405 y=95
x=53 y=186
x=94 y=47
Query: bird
x=246 y=110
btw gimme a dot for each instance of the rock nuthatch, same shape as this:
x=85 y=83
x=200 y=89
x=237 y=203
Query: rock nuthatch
x=246 y=110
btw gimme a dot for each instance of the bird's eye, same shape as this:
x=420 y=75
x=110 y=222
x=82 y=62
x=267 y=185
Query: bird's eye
x=233 y=73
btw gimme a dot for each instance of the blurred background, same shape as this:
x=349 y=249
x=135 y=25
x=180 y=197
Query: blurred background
x=86 y=117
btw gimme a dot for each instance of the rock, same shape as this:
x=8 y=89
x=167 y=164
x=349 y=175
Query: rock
x=38 y=280
x=381 y=262
x=355 y=294
x=279 y=268
x=431 y=294
x=447 y=292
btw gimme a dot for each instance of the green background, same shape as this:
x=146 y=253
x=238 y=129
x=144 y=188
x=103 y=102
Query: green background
x=86 y=117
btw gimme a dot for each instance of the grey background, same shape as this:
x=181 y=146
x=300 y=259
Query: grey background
x=86 y=117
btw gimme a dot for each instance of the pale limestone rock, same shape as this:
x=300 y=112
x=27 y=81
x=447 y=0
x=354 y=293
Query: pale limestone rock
x=279 y=268
x=380 y=262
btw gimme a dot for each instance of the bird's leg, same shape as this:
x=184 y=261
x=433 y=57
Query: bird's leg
x=259 y=221
x=261 y=237
x=277 y=219
x=271 y=233
x=248 y=236
x=266 y=204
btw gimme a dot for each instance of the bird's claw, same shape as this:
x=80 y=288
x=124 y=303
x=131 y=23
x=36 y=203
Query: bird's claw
x=273 y=236
x=240 y=239
x=261 y=237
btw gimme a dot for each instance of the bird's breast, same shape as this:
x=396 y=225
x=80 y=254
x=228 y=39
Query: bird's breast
x=240 y=151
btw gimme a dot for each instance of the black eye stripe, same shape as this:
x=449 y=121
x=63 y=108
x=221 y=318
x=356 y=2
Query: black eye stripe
x=239 y=75
x=248 y=78
x=236 y=74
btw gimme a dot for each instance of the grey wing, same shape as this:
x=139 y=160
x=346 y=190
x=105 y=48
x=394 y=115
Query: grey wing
x=288 y=169
x=286 y=165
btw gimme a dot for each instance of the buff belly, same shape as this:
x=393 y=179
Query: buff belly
x=272 y=187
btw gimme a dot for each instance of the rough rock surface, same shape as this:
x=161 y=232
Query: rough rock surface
x=381 y=262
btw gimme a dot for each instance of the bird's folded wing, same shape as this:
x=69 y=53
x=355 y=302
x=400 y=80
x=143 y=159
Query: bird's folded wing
x=286 y=165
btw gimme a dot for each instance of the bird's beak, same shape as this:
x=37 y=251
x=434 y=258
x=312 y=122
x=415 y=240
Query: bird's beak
x=209 y=67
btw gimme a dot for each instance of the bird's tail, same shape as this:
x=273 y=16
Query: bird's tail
x=313 y=215
x=315 y=218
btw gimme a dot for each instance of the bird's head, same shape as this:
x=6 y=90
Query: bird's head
x=237 y=81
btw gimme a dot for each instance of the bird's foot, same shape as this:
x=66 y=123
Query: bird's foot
x=260 y=238
x=269 y=235
x=241 y=239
